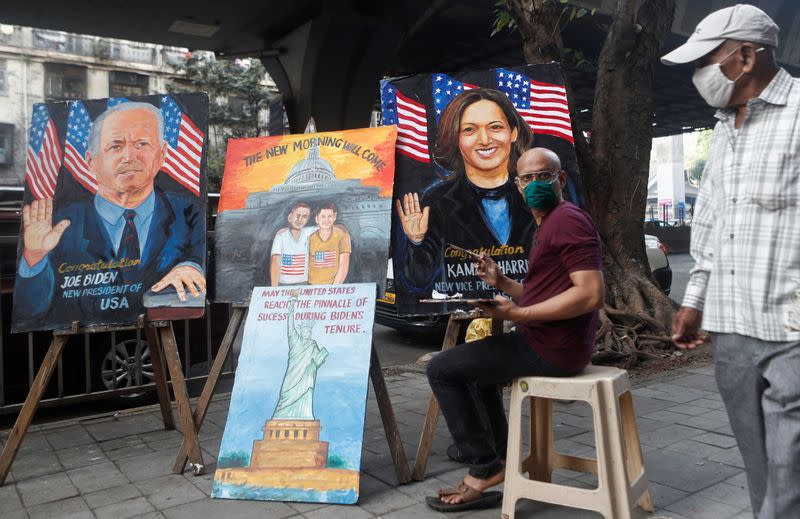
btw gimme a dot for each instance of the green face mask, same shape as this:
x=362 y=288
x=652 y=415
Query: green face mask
x=539 y=194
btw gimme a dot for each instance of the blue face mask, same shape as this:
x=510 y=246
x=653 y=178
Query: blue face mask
x=540 y=194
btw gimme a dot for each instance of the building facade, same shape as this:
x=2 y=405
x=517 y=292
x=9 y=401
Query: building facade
x=39 y=65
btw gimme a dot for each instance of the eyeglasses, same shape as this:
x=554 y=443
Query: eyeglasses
x=526 y=178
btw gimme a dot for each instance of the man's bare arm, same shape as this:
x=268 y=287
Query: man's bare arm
x=586 y=294
x=510 y=287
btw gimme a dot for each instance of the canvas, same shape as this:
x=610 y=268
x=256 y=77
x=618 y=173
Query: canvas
x=310 y=209
x=296 y=418
x=455 y=182
x=114 y=211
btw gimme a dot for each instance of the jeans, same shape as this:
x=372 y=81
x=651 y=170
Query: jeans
x=465 y=382
x=759 y=381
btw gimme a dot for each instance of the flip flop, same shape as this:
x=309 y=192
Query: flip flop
x=471 y=499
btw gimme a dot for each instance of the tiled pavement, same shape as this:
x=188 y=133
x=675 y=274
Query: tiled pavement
x=118 y=466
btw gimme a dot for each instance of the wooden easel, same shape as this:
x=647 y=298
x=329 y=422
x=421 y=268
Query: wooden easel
x=378 y=384
x=160 y=334
x=211 y=384
x=454 y=325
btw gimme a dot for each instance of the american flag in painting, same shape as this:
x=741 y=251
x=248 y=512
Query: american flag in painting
x=293 y=264
x=78 y=126
x=411 y=121
x=184 y=146
x=444 y=88
x=44 y=154
x=114 y=101
x=325 y=258
x=543 y=105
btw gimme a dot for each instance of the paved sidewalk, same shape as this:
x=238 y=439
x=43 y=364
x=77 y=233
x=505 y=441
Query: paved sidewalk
x=118 y=466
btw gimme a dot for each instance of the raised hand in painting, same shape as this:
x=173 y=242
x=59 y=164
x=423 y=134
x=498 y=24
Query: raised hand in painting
x=39 y=236
x=414 y=219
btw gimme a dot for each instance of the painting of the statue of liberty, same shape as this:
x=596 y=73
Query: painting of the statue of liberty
x=293 y=433
x=305 y=358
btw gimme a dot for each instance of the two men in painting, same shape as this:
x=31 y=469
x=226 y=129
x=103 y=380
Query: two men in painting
x=310 y=255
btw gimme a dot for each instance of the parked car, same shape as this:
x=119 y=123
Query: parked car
x=659 y=263
x=387 y=315
x=386 y=312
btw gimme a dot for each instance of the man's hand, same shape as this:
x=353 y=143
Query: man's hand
x=505 y=309
x=39 y=237
x=488 y=270
x=180 y=277
x=414 y=220
x=686 y=328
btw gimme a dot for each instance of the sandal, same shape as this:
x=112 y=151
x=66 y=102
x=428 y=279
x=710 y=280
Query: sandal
x=471 y=499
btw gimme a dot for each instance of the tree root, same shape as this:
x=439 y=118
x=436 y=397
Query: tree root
x=635 y=321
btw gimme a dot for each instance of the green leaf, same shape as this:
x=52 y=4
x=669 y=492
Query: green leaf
x=502 y=20
x=225 y=80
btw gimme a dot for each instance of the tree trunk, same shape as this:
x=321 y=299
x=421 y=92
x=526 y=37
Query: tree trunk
x=615 y=164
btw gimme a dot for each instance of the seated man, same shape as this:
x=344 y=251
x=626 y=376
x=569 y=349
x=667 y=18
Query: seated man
x=556 y=310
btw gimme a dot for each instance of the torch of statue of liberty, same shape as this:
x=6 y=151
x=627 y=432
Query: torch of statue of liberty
x=305 y=358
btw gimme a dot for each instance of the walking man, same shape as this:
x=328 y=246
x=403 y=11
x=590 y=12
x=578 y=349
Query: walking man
x=746 y=246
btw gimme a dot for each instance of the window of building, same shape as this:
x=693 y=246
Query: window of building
x=6 y=144
x=127 y=84
x=63 y=82
x=182 y=85
x=238 y=107
x=3 y=79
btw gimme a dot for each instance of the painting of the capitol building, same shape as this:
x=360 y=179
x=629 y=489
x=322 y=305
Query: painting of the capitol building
x=313 y=210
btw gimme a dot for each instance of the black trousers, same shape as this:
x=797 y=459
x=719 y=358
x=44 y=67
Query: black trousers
x=466 y=381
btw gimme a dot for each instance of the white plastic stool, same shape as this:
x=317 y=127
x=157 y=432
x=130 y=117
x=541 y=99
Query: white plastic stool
x=619 y=465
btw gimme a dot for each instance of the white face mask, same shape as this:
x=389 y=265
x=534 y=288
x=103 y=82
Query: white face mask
x=712 y=83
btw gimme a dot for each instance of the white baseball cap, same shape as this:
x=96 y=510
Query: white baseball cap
x=742 y=22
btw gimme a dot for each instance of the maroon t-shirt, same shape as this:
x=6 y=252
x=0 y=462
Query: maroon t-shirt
x=566 y=241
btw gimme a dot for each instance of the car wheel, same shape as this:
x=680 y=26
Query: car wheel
x=133 y=368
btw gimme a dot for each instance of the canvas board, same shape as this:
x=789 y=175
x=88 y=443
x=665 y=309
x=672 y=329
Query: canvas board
x=464 y=212
x=114 y=210
x=308 y=209
x=296 y=419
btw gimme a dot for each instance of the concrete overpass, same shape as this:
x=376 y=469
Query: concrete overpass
x=327 y=56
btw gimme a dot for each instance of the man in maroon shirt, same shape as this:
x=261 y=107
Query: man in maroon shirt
x=556 y=310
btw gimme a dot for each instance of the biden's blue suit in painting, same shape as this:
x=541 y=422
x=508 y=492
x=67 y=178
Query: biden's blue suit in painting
x=175 y=235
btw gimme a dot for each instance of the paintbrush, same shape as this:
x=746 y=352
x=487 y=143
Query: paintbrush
x=465 y=251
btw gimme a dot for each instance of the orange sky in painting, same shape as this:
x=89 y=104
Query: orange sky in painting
x=240 y=179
